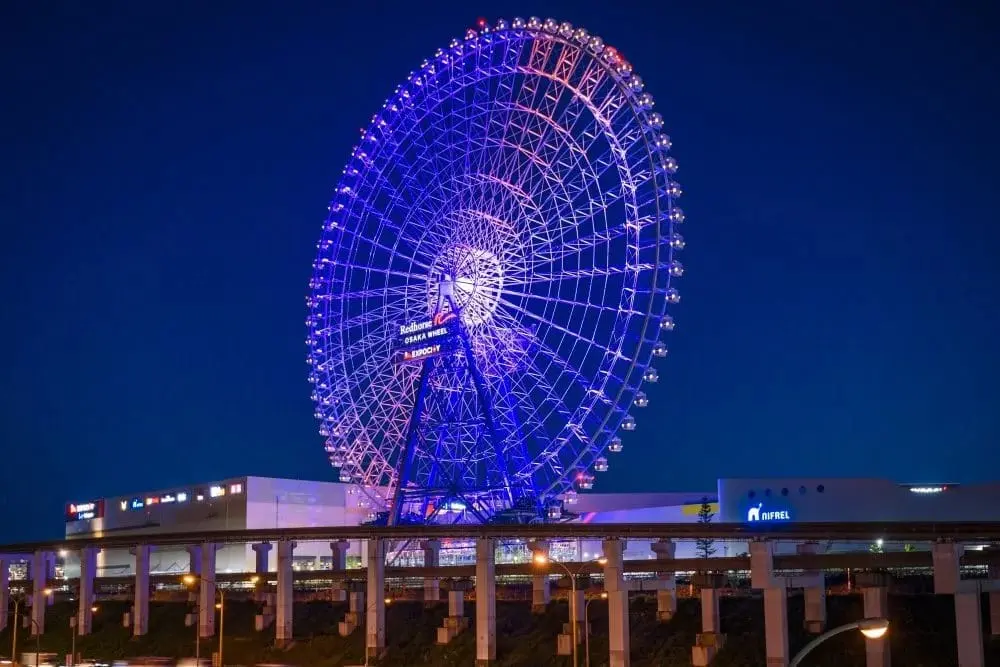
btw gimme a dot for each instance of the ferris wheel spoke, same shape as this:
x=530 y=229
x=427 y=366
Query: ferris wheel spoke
x=549 y=323
x=598 y=309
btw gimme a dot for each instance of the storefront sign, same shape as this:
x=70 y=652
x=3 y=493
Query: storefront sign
x=85 y=511
x=758 y=513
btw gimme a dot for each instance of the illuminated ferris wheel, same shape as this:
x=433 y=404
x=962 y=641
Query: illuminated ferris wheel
x=493 y=279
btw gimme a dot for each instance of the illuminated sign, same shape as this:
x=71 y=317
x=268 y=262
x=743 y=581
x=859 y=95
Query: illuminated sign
x=182 y=497
x=169 y=498
x=85 y=511
x=428 y=338
x=928 y=489
x=217 y=491
x=137 y=504
x=759 y=514
x=235 y=488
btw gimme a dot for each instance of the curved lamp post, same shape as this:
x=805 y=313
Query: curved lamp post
x=192 y=579
x=871 y=628
x=542 y=559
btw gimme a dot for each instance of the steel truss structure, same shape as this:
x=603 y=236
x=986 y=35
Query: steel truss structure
x=519 y=180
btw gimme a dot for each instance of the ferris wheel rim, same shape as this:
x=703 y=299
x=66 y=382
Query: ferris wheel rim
x=625 y=388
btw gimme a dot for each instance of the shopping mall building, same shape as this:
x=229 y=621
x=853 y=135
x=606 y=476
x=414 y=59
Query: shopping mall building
x=260 y=502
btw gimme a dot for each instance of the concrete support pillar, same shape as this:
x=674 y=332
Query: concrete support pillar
x=88 y=571
x=710 y=640
x=261 y=553
x=338 y=551
x=776 y=626
x=814 y=596
x=946 y=557
x=710 y=617
x=456 y=603
x=875 y=592
x=969 y=626
x=338 y=563
x=540 y=593
x=4 y=592
x=456 y=620
x=355 y=609
x=995 y=614
x=375 y=623
x=775 y=602
x=41 y=565
x=206 y=589
x=968 y=611
x=264 y=599
x=140 y=596
x=486 y=607
x=666 y=589
x=614 y=585
x=432 y=558
x=194 y=559
x=284 y=604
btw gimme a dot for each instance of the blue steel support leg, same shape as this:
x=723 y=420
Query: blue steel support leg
x=406 y=462
x=487 y=406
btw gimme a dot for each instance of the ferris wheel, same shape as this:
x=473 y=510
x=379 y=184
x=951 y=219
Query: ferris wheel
x=492 y=283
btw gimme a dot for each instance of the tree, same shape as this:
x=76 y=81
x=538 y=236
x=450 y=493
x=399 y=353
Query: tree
x=704 y=546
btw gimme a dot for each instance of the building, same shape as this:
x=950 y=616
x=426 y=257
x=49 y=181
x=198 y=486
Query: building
x=231 y=504
x=261 y=502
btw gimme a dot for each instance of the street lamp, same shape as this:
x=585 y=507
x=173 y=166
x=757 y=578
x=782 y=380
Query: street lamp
x=76 y=630
x=13 y=631
x=586 y=628
x=190 y=580
x=871 y=628
x=542 y=559
x=369 y=606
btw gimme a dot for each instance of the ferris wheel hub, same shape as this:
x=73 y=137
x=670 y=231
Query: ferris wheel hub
x=471 y=279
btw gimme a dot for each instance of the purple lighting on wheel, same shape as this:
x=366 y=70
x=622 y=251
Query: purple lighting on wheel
x=520 y=186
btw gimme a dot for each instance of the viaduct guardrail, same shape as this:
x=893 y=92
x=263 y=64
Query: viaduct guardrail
x=984 y=532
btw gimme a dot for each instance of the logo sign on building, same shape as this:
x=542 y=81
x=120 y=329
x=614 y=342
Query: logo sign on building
x=85 y=511
x=423 y=339
x=758 y=513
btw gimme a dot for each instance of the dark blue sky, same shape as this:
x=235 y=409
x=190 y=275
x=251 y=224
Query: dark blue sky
x=166 y=167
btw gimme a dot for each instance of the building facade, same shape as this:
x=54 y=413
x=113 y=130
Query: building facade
x=261 y=502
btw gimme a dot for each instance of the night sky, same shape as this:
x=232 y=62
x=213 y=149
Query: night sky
x=166 y=167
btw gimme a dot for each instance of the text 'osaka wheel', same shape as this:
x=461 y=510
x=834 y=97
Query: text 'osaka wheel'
x=493 y=280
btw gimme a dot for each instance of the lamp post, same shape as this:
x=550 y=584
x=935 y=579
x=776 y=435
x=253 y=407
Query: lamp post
x=13 y=631
x=542 y=559
x=76 y=631
x=871 y=628
x=368 y=607
x=586 y=629
x=190 y=580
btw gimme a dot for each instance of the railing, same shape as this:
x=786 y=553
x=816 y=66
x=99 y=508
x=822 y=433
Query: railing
x=889 y=531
